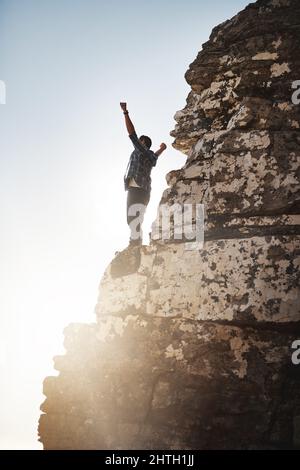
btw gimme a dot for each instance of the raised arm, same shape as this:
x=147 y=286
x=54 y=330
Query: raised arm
x=129 y=126
x=161 y=149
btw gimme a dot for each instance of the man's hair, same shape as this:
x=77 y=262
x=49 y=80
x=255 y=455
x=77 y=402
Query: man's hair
x=147 y=140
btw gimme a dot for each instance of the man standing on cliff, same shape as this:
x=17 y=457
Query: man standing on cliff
x=137 y=179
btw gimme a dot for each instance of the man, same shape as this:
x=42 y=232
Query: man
x=137 y=179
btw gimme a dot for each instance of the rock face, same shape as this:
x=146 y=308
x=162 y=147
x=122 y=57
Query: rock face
x=192 y=345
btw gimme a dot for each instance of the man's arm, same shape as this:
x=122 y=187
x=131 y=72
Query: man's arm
x=160 y=150
x=129 y=126
x=131 y=131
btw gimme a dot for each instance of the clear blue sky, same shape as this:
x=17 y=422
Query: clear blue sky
x=63 y=151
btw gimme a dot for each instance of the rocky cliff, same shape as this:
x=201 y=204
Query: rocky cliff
x=192 y=347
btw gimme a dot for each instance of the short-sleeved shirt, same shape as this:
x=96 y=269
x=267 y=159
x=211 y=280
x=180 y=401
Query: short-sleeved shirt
x=140 y=164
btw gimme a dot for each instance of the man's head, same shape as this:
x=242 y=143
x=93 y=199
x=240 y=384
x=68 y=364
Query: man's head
x=145 y=140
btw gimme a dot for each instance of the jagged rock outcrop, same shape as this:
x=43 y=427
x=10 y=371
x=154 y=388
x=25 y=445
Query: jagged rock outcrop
x=192 y=347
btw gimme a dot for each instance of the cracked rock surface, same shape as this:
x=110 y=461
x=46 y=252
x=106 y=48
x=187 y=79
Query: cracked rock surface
x=192 y=346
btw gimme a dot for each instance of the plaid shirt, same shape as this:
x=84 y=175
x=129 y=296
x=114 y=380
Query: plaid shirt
x=140 y=165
